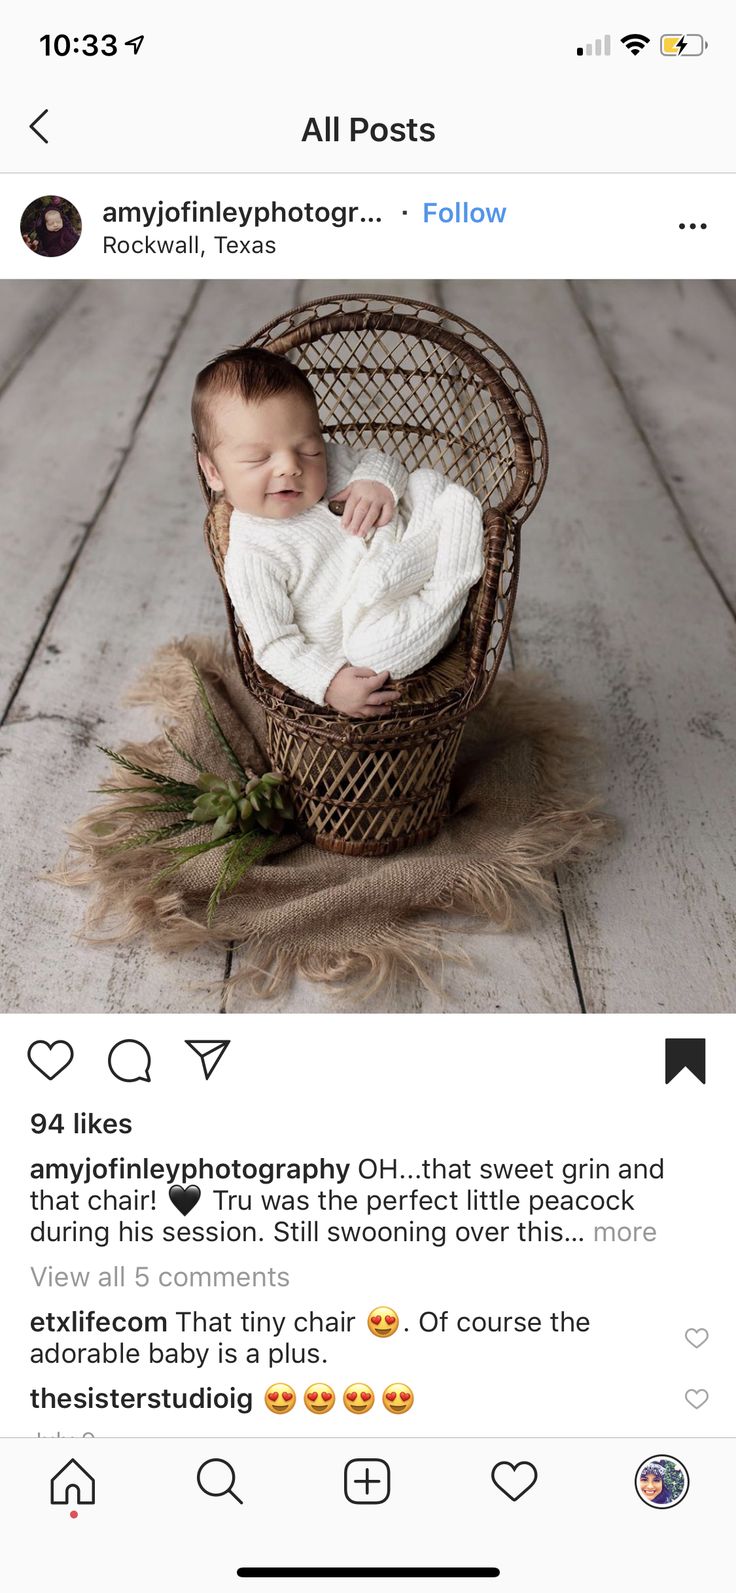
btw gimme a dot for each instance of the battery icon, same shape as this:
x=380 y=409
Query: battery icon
x=682 y=44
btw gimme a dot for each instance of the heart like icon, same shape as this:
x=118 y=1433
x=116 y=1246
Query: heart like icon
x=697 y=1336
x=40 y=1055
x=185 y=1200
x=696 y=1397
x=514 y=1479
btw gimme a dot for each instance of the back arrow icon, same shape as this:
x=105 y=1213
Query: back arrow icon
x=34 y=128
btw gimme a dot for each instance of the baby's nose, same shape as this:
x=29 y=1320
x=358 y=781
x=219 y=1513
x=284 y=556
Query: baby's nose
x=287 y=464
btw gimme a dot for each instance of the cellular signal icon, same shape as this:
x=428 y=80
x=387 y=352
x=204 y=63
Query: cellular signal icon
x=598 y=47
x=634 y=42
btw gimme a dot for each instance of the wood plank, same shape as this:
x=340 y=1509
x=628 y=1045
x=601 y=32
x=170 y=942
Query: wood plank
x=28 y=310
x=67 y=420
x=617 y=607
x=728 y=289
x=142 y=579
x=524 y=972
x=671 y=346
x=528 y=971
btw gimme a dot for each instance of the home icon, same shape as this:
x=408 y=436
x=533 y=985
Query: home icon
x=72 y=1485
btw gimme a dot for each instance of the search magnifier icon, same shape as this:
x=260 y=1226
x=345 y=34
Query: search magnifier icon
x=217 y=1478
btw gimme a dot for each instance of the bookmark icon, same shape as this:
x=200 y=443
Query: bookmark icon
x=686 y=1055
x=210 y=1052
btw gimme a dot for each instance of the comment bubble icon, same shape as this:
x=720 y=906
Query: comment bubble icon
x=130 y=1062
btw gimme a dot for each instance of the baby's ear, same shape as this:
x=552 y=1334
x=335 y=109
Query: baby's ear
x=214 y=481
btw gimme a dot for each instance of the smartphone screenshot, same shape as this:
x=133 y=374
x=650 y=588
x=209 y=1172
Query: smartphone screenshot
x=367 y=404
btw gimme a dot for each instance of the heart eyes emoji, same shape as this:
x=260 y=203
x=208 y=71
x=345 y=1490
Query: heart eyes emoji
x=398 y=1398
x=358 y=1398
x=319 y=1398
x=280 y=1397
x=383 y=1321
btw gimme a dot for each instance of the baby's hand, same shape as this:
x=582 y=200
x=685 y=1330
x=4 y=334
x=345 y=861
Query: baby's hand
x=359 y=692
x=368 y=504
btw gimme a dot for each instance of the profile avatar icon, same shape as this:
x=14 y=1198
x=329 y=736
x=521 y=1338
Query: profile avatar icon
x=50 y=226
x=662 y=1482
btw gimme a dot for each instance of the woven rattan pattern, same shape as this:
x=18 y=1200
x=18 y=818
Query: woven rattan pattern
x=408 y=378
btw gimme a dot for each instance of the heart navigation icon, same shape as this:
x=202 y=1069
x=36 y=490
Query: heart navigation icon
x=40 y=1055
x=514 y=1478
x=185 y=1200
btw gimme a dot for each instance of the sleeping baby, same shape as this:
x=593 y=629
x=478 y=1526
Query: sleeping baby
x=336 y=605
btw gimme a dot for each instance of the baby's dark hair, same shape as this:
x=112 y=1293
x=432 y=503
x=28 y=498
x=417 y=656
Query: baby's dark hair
x=253 y=373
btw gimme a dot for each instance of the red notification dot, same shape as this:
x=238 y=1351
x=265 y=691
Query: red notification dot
x=74 y=1514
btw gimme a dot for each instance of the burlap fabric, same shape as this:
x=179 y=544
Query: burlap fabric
x=522 y=804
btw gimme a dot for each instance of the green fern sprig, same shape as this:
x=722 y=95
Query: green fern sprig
x=244 y=813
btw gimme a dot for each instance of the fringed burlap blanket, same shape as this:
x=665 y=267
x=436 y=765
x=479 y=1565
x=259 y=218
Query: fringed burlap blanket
x=522 y=804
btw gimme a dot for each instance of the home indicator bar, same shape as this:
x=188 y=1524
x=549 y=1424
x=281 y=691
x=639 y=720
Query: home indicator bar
x=475 y=1571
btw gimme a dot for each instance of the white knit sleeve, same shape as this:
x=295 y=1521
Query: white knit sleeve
x=408 y=617
x=258 y=587
x=345 y=465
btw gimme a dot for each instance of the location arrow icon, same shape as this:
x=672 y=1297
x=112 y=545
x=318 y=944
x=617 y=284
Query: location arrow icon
x=136 y=43
x=210 y=1052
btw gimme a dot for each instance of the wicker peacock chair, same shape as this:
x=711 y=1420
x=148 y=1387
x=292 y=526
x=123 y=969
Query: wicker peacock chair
x=410 y=379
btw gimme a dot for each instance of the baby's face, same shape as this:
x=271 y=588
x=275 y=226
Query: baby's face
x=54 y=222
x=269 y=458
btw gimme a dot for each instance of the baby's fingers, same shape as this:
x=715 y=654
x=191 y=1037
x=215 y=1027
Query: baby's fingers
x=378 y=697
x=386 y=515
x=372 y=518
x=362 y=519
x=379 y=678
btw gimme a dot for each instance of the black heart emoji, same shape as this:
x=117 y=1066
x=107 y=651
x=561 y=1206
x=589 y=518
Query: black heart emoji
x=185 y=1200
x=40 y=1055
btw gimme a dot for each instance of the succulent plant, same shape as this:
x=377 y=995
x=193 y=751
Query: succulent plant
x=246 y=811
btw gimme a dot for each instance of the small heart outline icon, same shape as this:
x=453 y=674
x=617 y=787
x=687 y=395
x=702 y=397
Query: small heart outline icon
x=49 y=1069
x=514 y=1492
x=697 y=1337
x=185 y=1200
x=697 y=1397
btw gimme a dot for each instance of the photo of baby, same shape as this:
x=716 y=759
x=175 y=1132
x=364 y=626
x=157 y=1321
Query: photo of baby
x=326 y=601
x=460 y=740
x=50 y=226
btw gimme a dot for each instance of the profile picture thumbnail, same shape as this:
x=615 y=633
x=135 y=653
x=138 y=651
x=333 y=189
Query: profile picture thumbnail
x=662 y=1481
x=50 y=225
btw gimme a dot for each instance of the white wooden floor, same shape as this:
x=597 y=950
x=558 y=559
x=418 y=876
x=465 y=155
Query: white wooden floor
x=627 y=599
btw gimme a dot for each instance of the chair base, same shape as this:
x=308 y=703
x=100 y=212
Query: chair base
x=366 y=800
x=400 y=843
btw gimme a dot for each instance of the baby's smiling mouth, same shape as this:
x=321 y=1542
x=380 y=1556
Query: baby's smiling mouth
x=285 y=492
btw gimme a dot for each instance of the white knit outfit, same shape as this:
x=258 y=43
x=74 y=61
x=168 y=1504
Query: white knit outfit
x=312 y=598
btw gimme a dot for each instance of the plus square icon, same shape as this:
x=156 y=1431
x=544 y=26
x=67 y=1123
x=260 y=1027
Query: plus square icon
x=367 y=1481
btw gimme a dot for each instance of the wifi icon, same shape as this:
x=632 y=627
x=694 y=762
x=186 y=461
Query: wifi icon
x=634 y=42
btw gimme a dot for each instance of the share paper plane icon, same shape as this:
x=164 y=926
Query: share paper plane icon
x=210 y=1052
